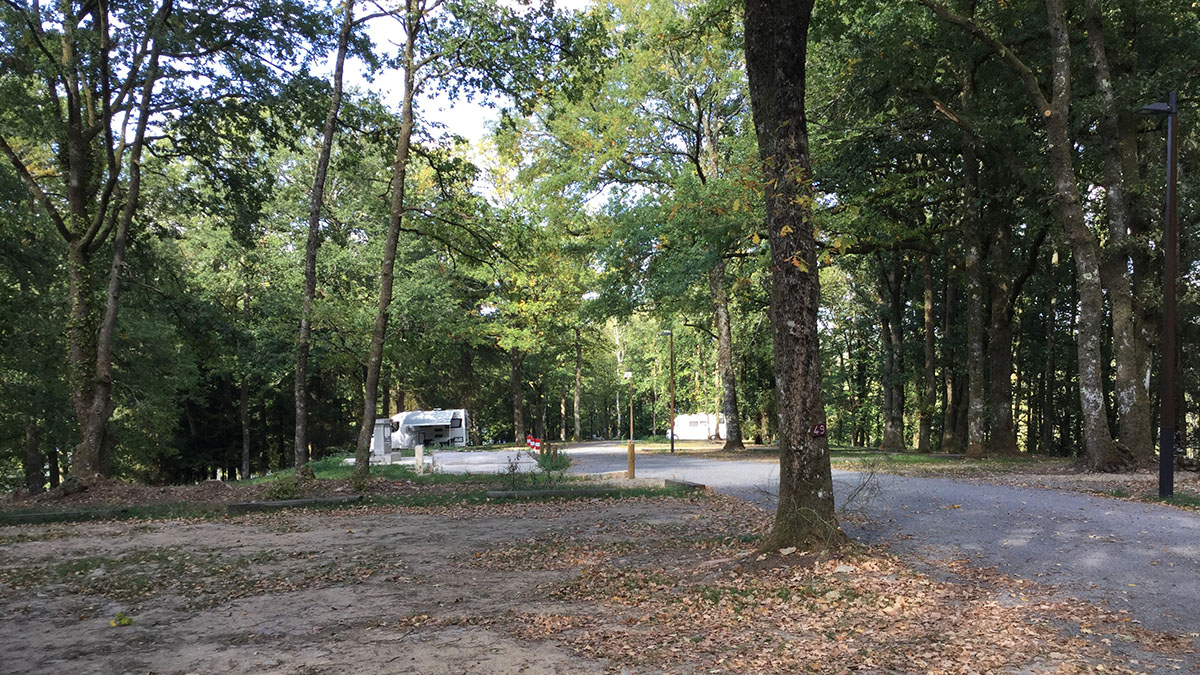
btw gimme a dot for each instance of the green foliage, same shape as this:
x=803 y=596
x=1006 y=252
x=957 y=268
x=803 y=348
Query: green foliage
x=553 y=463
x=284 y=488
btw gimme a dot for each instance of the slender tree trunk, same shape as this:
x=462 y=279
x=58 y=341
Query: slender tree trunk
x=972 y=239
x=776 y=37
x=1132 y=390
x=1003 y=437
x=1045 y=431
x=387 y=268
x=729 y=402
x=516 y=391
x=578 y=386
x=52 y=465
x=316 y=204
x=950 y=441
x=34 y=460
x=893 y=380
x=244 y=389
x=1102 y=453
x=562 y=414
x=539 y=422
x=927 y=401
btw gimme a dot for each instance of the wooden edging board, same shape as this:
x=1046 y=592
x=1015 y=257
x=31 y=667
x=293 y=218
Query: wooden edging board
x=37 y=517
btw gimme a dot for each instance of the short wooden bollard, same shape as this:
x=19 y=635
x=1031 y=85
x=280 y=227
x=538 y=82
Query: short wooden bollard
x=629 y=471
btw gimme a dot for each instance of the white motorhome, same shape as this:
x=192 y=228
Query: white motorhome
x=698 y=427
x=431 y=428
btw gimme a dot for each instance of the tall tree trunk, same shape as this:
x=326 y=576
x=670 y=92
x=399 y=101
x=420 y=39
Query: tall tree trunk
x=1102 y=453
x=244 y=388
x=892 y=283
x=972 y=238
x=387 y=397
x=387 y=268
x=729 y=402
x=316 y=204
x=578 y=386
x=776 y=37
x=516 y=391
x=562 y=414
x=539 y=420
x=1132 y=389
x=90 y=458
x=52 y=465
x=1003 y=437
x=1049 y=372
x=927 y=400
x=34 y=460
x=950 y=441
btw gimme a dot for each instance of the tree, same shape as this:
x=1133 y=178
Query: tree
x=463 y=46
x=86 y=79
x=776 y=34
x=317 y=201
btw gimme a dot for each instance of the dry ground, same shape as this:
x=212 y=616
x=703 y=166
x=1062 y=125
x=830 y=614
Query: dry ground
x=636 y=585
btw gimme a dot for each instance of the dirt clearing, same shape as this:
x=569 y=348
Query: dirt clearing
x=646 y=585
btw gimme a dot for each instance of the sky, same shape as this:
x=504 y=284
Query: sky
x=465 y=118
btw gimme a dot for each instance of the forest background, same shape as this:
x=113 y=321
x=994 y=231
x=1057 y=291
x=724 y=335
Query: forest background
x=194 y=260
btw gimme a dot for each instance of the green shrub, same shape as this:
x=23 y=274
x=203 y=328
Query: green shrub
x=556 y=462
x=284 y=488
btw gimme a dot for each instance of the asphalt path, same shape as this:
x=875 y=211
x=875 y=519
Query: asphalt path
x=1144 y=558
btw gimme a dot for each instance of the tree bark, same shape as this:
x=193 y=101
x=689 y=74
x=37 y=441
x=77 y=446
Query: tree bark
x=927 y=400
x=1002 y=436
x=1132 y=389
x=562 y=414
x=516 y=391
x=892 y=283
x=34 y=460
x=244 y=394
x=387 y=268
x=972 y=238
x=578 y=386
x=950 y=440
x=316 y=205
x=1102 y=453
x=729 y=402
x=776 y=36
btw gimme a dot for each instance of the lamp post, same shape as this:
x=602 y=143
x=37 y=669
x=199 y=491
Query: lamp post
x=1166 y=433
x=629 y=471
x=671 y=333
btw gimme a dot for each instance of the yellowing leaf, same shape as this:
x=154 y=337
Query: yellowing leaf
x=786 y=230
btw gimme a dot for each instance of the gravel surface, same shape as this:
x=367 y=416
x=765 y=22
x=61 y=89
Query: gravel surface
x=1143 y=558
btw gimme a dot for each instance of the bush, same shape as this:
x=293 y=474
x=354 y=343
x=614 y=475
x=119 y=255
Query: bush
x=553 y=462
x=284 y=488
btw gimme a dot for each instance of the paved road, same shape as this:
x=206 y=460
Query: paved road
x=1140 y=557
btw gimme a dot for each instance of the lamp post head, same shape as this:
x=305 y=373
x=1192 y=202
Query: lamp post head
x=1167 y=107
x=629 y=374
x=666 y=332
x=1159 y=108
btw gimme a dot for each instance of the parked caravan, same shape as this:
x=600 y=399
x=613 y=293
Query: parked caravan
x=431 y=428
x=698 y=427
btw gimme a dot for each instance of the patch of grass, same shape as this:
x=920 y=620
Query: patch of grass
x=852 y=458
x=1186 y=499
x=610 y=493
x=335 y=468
